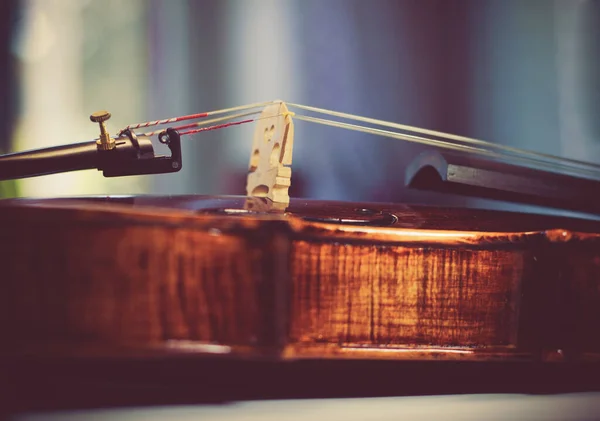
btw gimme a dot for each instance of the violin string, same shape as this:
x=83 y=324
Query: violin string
x=218 y=126
x=197 y=115
x=215 y=127
x=205 y=122
x=446 y=145
x=164 y=121
x=457 y=138
x=385 y=133
x=447 y=141
x=364 y=129
x=233 y=123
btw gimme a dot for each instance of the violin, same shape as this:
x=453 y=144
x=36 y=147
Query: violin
x=273 y=279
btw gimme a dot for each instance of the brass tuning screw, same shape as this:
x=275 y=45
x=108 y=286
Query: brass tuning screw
x=104 y=142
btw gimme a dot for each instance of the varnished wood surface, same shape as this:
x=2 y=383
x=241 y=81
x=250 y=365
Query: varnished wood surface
x=377 y=214
x=100 y=281
x=222 y=276
x=401 y=297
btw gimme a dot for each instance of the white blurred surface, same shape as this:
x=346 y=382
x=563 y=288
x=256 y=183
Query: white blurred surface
x=583 y=406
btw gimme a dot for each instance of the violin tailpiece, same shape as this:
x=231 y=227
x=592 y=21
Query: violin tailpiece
x=269 y=171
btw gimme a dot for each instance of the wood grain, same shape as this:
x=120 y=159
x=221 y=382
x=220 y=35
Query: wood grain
x=98 y=284
x=202 y=276
x=394 y=295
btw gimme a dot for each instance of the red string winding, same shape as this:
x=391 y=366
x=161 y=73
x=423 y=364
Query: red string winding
x=205 y=129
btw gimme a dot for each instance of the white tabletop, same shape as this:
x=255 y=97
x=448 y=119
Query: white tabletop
x=582 y=406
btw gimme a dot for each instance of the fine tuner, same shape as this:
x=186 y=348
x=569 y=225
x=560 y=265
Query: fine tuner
x=104 y=142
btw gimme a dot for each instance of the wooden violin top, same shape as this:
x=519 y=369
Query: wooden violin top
x=392 y=215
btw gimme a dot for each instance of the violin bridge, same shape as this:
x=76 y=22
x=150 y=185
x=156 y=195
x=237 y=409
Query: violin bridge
x=269 y=171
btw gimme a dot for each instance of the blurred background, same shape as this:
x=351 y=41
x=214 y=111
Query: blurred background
x=524 y=73
x=520 y=72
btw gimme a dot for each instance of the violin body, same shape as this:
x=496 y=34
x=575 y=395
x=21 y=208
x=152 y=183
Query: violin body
x=109 y=301
x=230 y=277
